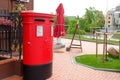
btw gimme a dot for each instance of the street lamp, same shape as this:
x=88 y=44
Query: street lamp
x=106 y=16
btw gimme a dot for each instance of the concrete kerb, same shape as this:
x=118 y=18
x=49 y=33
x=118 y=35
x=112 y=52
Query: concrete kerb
x=101 y=69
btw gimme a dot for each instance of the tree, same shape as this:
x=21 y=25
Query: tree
x=71 y=28
x=100 y=19
x=94 y=18
x=67 y=22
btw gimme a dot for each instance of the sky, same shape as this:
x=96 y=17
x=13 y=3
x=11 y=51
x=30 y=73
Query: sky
x=74 y=7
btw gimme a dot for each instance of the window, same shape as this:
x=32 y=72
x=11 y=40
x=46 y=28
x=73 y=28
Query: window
x=108 y=21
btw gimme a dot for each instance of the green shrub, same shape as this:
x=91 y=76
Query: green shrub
x=82 y=32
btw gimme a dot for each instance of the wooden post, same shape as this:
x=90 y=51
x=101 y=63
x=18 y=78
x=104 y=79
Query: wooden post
x=97 y=44
x=106 y=46
x=119 y=48
x=79 y=37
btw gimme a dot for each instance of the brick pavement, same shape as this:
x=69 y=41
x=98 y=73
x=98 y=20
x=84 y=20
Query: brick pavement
x=64 y=67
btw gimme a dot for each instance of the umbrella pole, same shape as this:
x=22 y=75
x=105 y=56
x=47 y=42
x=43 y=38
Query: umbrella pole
x=59 y=41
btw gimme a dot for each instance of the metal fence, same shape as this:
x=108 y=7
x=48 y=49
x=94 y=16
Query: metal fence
x=11 y=36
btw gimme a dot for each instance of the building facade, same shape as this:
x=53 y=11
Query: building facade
x=117 y=16
x=9 y=4
x=113 y=17
x=110 y=18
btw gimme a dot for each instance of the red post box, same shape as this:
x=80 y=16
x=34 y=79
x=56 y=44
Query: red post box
x=37 y=45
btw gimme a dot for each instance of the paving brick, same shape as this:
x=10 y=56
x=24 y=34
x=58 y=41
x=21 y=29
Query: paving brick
x=65 y=69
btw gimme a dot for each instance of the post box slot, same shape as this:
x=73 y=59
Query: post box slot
x=39 y=19
x=51 y=20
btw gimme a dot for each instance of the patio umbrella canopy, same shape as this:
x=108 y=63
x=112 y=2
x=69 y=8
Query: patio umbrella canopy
x=59 y=30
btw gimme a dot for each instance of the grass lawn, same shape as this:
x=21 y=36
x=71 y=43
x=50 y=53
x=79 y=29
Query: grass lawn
x=91 y=60
x=117 y=35
x=69 y=36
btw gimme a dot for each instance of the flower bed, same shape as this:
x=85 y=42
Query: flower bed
x=5 y=21
x=9 y=67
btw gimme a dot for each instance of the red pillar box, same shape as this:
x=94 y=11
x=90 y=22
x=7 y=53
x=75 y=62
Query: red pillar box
x=37 y=45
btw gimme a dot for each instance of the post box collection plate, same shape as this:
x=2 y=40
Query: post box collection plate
x=39 y=31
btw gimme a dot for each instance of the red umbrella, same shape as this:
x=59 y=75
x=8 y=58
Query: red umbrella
x=59 y=29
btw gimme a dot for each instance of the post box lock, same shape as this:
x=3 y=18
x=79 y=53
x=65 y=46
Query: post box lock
x=39 y=31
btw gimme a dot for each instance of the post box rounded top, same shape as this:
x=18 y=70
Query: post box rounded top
x=31 y=13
